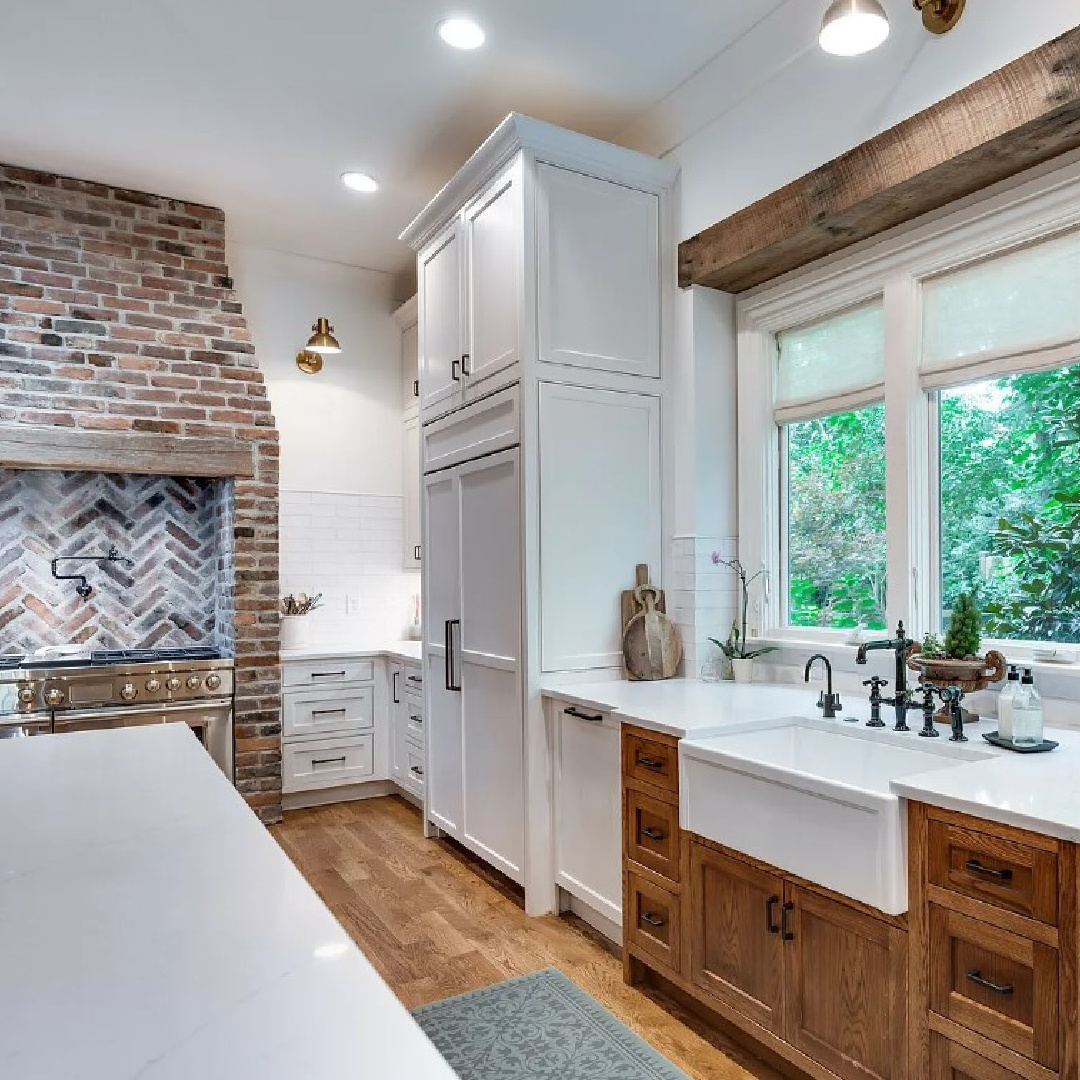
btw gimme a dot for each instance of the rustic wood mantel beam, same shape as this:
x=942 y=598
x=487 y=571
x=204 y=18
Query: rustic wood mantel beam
x=1022 y=115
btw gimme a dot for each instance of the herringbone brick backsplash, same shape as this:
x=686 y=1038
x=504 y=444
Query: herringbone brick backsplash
x=169 y=527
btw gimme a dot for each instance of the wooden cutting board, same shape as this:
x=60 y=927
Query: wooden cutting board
x=629 y=605
x=652 y=648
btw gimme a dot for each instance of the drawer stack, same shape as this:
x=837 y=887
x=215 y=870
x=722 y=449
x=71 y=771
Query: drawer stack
x=652 y=845
x=328 y=720
x=994 y=908
x=407 y=713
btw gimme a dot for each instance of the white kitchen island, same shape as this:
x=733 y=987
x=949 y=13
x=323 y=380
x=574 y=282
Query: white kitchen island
x=150 y=927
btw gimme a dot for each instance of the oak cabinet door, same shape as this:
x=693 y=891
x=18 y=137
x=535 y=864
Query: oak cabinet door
x=736 y=951
x=846 y=987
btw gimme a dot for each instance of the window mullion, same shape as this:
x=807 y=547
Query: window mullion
x=907 y=466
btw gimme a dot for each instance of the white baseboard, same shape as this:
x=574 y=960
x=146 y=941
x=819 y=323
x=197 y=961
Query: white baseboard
x=373 y=789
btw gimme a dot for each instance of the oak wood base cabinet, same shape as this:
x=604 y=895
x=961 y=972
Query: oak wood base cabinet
x=977 y=982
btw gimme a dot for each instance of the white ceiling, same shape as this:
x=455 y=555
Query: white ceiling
x=256 y=106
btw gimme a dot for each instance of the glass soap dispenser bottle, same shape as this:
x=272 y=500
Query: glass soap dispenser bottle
x=1028 y=714
x=1007 y=703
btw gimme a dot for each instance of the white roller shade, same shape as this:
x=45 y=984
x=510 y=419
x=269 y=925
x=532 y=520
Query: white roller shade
x=1024 y=304
x=834 y=364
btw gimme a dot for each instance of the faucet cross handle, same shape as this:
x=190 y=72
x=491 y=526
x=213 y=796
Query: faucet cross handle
x=929 y=692
x=875 y=682
x=951 y=696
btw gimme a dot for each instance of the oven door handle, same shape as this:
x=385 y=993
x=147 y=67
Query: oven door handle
x=61 y=718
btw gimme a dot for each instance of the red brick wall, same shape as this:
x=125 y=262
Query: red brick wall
x=116 y=313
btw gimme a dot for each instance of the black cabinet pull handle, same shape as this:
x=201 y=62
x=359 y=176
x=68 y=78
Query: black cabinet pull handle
x=650 y=763
x=454 y=372
x=416 y=388
x=416 y=719
x=328 y=674
x=785 y=932
x=466 y=364
x=995 y=988
x=397 y=700
x=416 y=553
x=415 y=678
x=651 y=834
x=651 y=919
x=451 y=675
x=577 y=714
x=770 y=915
x=416 y=769
x=328 y=761
x=328 y=712
x=977 y=867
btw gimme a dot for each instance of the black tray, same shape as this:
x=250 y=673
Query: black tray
x=994 y=739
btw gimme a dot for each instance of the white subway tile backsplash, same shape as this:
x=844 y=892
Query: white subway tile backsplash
x=348 y=547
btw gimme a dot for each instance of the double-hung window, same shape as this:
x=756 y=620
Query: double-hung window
x=909 y=429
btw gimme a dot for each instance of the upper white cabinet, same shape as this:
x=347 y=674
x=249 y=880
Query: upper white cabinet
x=411 y=461
x=598 y=247
x=440 y=319
x=600 y=515
x=410 y=367
x=494 y=234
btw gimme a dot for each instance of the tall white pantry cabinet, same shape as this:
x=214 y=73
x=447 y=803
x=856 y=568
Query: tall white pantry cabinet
x=546 y=279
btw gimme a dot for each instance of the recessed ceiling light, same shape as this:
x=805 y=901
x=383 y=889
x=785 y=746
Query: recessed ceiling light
x=461 y=33
x=358 y=181
x=851 y=27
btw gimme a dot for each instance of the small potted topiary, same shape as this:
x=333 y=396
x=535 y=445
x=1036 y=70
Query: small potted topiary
x=957 y=662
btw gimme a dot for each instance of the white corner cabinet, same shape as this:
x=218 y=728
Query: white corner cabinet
x=546 y=283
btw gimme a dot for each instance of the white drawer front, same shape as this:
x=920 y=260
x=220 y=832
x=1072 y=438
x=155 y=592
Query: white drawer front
x=481 y=428
x=412 y=682
x=326 y=672
x=413 y=771
x=327 y=763
x=327 y=712
x=414 y=723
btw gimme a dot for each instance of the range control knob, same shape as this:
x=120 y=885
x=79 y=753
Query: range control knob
x=128 y=691
x=193 y=682
x=172 y=683
x=54 y=697
x=26 y=695
x=213 y=681
x=153 y=685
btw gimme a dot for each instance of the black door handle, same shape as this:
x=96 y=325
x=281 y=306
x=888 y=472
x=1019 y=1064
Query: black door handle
x=397 y=700
x=770 y=914
x=785 y=933
x=454 y=373
x=416 y=553
x=577 y=714
x=451 y=674
x=416 y=388
x=977 y=867
x=996 y=988
x=650 y=763
x=651 y=919
x=651 y=834
x=466 y=364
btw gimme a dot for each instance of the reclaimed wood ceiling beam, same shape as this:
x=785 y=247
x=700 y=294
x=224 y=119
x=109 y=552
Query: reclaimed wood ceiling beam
x=1021 y=115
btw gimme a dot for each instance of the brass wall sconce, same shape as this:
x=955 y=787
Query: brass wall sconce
x=940 y=16
x=321 y=343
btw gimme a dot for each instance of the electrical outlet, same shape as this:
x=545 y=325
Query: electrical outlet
x=352 y=604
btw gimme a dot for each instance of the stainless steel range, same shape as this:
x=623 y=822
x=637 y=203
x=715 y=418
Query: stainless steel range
x=82 y=692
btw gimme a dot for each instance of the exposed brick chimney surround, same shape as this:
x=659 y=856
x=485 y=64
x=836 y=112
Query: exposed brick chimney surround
x=117 y=315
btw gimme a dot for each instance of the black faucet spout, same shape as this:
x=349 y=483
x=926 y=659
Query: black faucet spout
x=828 y=702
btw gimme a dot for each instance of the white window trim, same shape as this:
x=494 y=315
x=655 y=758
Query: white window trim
x=892 y=267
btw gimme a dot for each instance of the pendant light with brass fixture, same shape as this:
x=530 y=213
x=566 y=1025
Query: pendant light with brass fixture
x=322 y=342
x=852 y=27
x=940 y=16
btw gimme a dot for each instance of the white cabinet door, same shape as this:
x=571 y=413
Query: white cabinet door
x=495 y=237
x=600 y=515
x=412 y=480
x=599 y=273
x=395 y=708
x=439 y=307
x=588 y=809
x=442 y=603
x=410 y=367
x=490 y=661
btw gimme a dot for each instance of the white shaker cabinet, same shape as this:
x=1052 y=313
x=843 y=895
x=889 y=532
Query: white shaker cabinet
x=598 y=254
x=588 y=807
x=441 y=320
x=410 y=367
x=412 y=479
x=600 y=515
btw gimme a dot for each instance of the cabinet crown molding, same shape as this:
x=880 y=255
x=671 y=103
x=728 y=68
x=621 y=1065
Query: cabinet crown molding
x=544 y=142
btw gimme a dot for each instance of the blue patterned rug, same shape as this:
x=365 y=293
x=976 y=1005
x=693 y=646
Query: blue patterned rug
x=538 y=1027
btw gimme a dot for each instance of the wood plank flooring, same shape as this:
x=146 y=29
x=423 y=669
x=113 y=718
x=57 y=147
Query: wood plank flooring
x=435 y=922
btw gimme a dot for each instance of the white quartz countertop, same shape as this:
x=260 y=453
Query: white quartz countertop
x=394 y=650
x=1039 y=792
x=151 y=927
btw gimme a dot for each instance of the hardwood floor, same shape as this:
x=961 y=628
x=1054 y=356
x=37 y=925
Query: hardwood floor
x=435 y=922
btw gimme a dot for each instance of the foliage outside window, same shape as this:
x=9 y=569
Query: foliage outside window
x=1010 y=502
x=836 y=519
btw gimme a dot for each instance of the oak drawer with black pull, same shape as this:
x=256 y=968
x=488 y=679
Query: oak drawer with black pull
x=651 y=920
x=651 y=761
x=652 y=833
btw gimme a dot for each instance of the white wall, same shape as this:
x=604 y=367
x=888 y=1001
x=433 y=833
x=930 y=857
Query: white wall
x=340 y=429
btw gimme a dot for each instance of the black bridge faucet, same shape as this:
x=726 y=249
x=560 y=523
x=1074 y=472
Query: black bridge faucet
x=900 y=701
x=827 y=701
